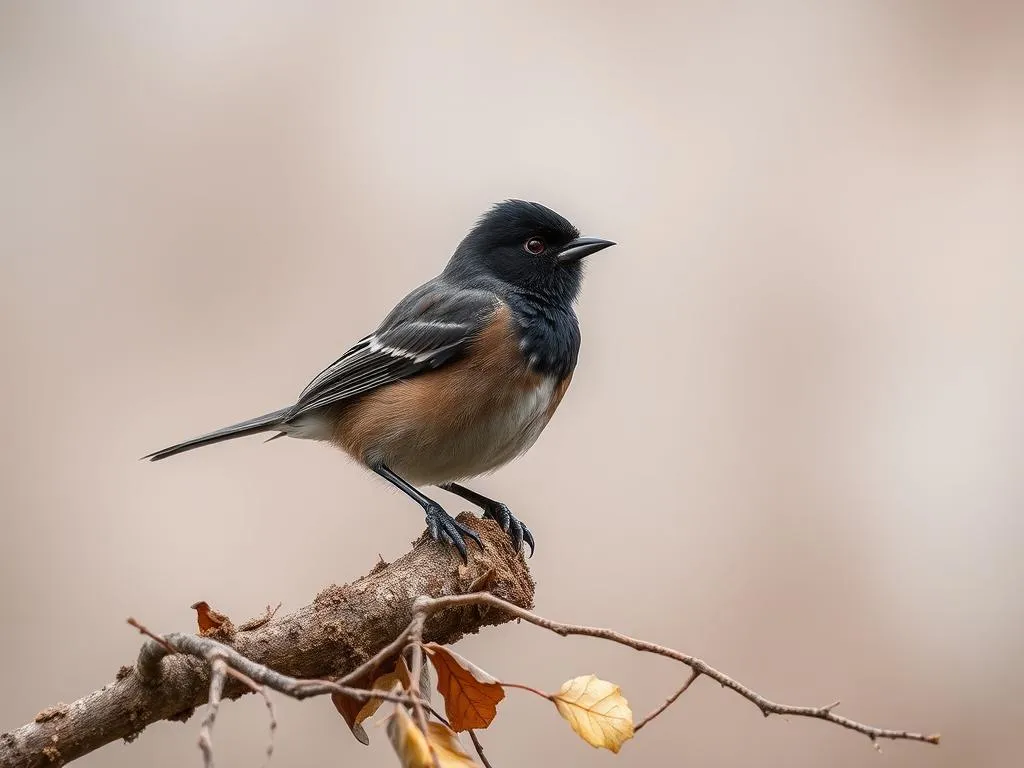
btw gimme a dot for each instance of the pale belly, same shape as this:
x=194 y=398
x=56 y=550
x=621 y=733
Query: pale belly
x=474 y=443
x=460 y=433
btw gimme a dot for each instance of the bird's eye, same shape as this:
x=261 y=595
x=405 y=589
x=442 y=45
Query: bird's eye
x=535 y=246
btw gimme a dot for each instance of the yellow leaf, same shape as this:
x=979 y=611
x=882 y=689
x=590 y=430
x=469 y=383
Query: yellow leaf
x=596 y=710
x=413 y=748
x=471 y=695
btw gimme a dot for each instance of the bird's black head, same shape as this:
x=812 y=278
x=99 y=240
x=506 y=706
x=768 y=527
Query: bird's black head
x=527 y=246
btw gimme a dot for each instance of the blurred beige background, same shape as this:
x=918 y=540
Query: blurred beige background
x=817 y=291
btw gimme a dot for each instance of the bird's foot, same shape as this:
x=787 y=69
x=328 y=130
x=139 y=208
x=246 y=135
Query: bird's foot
x=515 y=528
x=443 y=527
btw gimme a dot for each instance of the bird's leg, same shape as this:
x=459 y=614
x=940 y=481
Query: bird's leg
x=440 y=524
x=497 y=512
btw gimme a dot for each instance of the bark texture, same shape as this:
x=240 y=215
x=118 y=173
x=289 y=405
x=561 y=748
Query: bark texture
x=341 y=628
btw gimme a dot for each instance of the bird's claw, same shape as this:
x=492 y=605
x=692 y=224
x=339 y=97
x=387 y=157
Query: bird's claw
x=514 y=527
x=443 y=527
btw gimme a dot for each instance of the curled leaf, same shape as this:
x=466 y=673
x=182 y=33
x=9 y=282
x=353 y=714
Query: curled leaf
x=389 y=674
x=355 y=710
x=596 y=710
x=383 y=683
x=349 y=708
x=413 y=746
x=470 y=695
x=208 y=619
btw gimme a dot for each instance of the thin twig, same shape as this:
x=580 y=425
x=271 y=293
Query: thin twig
x=225 y=659
x=472 y=735
x=259 y=621
x=394 y=647
x=694 y=674
x=218 y=671
x=479 y=749
x=430 y=605
x=415 y=671
x=412 y=637
x=259 y=689
x=522 y=687
x=144 y=631
x=438 y=716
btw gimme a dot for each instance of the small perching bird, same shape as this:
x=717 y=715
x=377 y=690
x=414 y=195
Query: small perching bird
x=463 y=374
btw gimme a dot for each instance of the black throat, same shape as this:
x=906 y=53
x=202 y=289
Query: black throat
x=549 y=333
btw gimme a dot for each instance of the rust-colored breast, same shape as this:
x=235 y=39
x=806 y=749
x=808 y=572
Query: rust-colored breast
x=424 y=413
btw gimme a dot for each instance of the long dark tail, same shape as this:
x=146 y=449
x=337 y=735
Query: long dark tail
x=264 y=423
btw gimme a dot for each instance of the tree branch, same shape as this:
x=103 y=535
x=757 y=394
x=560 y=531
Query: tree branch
x=698 y=667
x=694 y=674
x=331 y=637
x=345 y=635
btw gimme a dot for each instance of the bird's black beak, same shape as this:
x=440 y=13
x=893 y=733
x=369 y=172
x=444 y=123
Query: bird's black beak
x=582 y=246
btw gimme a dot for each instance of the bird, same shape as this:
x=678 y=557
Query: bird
x=461 y=377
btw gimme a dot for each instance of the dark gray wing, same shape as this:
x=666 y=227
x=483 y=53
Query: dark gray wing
x=429 y=327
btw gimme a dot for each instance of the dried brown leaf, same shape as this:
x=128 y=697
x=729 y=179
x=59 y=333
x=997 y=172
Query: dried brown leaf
x=351 y=708
x=209 y=620
x=470 y=695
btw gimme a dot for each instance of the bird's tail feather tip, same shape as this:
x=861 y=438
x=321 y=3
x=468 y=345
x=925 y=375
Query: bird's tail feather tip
x=266 y=422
